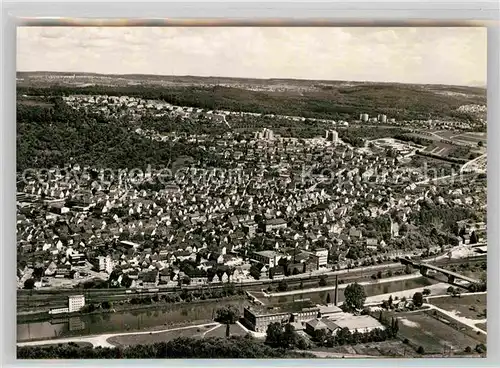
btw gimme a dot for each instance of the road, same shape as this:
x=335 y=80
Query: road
x=471 y=163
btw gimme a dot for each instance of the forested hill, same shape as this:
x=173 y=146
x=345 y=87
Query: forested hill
x=49 y=136
x=310 y=99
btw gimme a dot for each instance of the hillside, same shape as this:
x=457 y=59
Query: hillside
x=318 y=99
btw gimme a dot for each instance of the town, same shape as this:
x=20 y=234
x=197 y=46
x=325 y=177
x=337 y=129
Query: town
x=287 y=224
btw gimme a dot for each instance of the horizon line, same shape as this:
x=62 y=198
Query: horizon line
x=472 y=85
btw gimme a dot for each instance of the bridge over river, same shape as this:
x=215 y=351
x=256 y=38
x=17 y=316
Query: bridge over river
x=425 y=267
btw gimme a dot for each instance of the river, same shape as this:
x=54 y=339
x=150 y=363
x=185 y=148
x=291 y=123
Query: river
x=181 y=313
x=122 y=321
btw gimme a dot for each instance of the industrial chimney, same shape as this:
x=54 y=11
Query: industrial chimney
x=335 y=299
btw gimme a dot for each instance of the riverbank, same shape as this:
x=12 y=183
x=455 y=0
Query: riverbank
x=342 y=286
x=102 y=340
x=44 y=316
x=436 y=289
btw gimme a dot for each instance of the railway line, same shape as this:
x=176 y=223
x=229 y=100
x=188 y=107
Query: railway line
x=46 y=299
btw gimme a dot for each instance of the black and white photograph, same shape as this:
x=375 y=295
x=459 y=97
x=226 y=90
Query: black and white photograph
x=244 y=192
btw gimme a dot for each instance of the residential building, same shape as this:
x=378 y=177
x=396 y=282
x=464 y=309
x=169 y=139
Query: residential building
x=105 y=264
x=75 y=303
x=322 y=256
x=277 y=223
x=269 y=258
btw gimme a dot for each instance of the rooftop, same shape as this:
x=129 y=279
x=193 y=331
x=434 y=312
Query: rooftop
x=261 y=310
x=324 y=309
x=267 y=253
x=358 y=322
x=277 y=221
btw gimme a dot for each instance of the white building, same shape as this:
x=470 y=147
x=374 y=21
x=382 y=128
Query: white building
x=267 y=257
x=322 y=255
x=362 y=324
x=59 y=310
x=332 y=136
x=266 y=134
x=105 y=264
x=75 y=303
x=382 y=118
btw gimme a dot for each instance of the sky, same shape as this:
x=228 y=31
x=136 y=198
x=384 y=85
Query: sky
x=428 y=55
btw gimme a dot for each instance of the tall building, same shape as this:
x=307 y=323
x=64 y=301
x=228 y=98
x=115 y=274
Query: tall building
x=266 y=134
x=270 y=135
x=382 y=118
x=322 y=255
x=75 y=303
x=105 y=264
x=332 y=136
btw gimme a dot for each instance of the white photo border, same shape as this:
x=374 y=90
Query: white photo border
x=342 y=13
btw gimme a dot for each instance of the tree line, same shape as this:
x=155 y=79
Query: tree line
x=54 y=136
x=179 y=348
x=400 y=102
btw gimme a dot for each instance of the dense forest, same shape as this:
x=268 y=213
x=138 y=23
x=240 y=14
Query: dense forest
x=55 y=136
x=180 y=348
x=338 y=102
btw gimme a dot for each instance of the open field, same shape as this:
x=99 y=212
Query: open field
x=433 y=335
x=220 y=331
x=466 y=137
x=471 y=138
x=208 y=330
x=390 y=348
x=439 y=148
x=141 y=339
x=468 y=306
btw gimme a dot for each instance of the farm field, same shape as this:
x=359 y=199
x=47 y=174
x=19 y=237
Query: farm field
x=391 y=348
x=434 y=336
x=465 y=137
x=469 y=137
x=440 y=149
x=468 y=306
